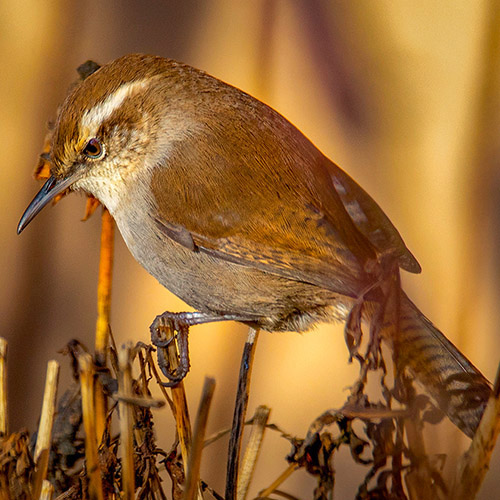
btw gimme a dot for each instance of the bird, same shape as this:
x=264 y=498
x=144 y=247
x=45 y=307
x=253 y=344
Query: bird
x=234 y=210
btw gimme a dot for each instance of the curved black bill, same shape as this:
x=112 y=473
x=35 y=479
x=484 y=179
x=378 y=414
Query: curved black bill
x=48 y=192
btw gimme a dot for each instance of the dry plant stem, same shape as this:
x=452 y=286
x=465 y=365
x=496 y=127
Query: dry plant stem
x=162 y=388
x=88 y=409
x=47 y=490
x=48 y=409
x=145 y=402
x=126 y=423
x=104 y=287
x=280 y=479
x=42 y=465
x=4 y=428
x=252 y=450
x=475 y=461
x=418 y=481
x=181 y=412
x=240 y=409
x=44 y=438
x=200 y=426
x=103 y=314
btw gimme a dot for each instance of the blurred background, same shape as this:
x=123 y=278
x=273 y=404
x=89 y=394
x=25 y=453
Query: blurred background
x=403 y=95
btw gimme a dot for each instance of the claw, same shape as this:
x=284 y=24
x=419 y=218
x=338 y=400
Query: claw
x=168 y=324
x=173 y=326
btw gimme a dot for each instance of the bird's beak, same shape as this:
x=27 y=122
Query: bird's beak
x=49 y=191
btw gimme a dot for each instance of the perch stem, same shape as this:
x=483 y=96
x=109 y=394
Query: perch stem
x=240 y=409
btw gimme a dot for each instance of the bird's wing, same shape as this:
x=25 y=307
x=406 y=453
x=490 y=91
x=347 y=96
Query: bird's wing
x=255 y=191
x=273 y=217
x=370 y=219
x=288 y=246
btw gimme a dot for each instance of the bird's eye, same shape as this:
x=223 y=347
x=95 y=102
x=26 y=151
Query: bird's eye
x=93 y=149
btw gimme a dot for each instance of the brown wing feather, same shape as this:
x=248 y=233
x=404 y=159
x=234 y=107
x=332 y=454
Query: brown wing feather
x=255 y=190
x=370 y=219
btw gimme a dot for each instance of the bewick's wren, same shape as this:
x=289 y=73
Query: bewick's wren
x=235 y=211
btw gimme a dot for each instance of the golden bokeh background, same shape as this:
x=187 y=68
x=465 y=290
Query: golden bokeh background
x=403 y=95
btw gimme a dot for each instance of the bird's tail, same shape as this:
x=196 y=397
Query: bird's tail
x=459 y=388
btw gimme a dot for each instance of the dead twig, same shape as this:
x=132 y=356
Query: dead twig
x=103 y=314
x=240 y=409
x=104 y=287
x=126 y=423
x=259 y=422
x=48 y=409
x=475 y=461
x=87 y=378
x=279 y=480
x=193 y=470
x=47 y=490
x=181 y=412
x=44 y=438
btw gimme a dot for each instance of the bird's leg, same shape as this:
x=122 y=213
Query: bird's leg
x=169 y=326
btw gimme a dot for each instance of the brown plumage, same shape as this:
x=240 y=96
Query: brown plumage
x=234 y=210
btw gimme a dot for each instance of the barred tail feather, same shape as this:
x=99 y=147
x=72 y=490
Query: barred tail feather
x=458 y=387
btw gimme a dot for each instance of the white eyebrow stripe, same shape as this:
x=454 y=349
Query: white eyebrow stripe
x=93 y=118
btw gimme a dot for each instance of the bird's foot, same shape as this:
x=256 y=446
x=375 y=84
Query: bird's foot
x=170 y=330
